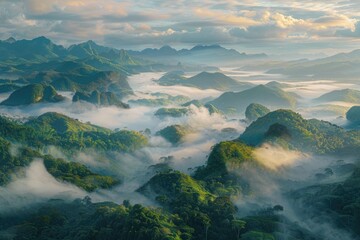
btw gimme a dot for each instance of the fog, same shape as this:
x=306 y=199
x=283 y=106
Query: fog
x=277 y=174
x=35 y=185
x=277 y=171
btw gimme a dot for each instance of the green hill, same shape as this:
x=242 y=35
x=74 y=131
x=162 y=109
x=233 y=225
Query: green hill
x=174 y=133
x=38 y=49
x=160 y=100
x=33 y=93
x=100 y=99
x=171 y=112
x=77 y=174
x=218 y=81
x=203 y=80
x=344 y=95
x=63 y=124
x=269 y=97
x=254 y=111
x=87 y=81
x=336 y=201
x=174 y=186
x=353 y=115
x=224 y=158
x=290 y=130
x=8 y=87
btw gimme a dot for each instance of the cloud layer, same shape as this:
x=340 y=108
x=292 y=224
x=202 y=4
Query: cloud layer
x=126 y=24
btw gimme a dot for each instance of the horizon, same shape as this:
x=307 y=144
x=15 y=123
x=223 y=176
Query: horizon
x=284 y=28
x=189 y=47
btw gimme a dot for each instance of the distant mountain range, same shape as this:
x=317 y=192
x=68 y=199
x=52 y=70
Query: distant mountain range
x=342 y=95
x=23 y=56
x=200 y=54
x=204 y=80
x=339 y=66
x=262 y=94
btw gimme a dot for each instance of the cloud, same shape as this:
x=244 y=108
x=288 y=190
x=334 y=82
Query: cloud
x=275 y=158
x=126 y=24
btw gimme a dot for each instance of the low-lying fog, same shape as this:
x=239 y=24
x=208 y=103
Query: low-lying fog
x=193 y=152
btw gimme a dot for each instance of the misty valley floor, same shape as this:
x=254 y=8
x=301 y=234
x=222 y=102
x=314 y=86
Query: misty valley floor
x=114 y=146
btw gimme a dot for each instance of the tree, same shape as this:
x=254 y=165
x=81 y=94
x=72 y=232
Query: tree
x=238 y=225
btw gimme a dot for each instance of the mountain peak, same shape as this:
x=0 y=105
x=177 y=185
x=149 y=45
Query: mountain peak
x=42 y=39
x=10 y=40
x=206 y=47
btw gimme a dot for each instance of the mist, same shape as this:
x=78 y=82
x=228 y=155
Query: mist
x=277 y=173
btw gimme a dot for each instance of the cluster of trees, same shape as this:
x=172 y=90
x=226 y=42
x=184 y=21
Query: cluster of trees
x=290 y=130
x=69 y=134
x=77 y=174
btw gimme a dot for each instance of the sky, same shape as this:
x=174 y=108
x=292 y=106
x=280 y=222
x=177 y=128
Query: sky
x=270 y=26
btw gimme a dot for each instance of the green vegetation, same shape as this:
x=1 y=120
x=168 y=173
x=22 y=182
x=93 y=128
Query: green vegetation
x=60 y=123
x=224 y=158
x=69 y=134
x=173 y=186
x=174 y=133
x=196 y=103
x=171 y=112
x=100 y=99
x=160 y=100
x=10 y=163
x=212 y=109
x=353 y=115
x=83 y=79
x=305 y=135
x=77 y=174
x=344 y=95
x=254 y=111
x=172 y=78
x=260 y=94
x=338 y=201
x=8 y=87
x=203 y=80
x=83 y=220
x=33 y=93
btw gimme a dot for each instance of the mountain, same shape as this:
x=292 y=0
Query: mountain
x=353 y=115
x=8 y=87
x=261 y=94
x=334 y=200
x=84 y=81
x=254 y=111
x=343 y=95
x=288 y=129
x=154 y=52
x=204 y=80
x=218 y=81
x=174 y=134
x=200 y=54
x=275 y=84
x=160 y=99
x=33 y=93
x=224 y=158
x=62 y=124
x=22 y=56
x=173 y=186
x=37 y=49
x=68 y=134
x=339 y=66
x=87 y=49
x=171 y=112
x=172 y=78
x=78 y=174
x=100 y=99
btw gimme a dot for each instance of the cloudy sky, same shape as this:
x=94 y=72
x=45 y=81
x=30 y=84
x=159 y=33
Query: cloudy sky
x=272 y=26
